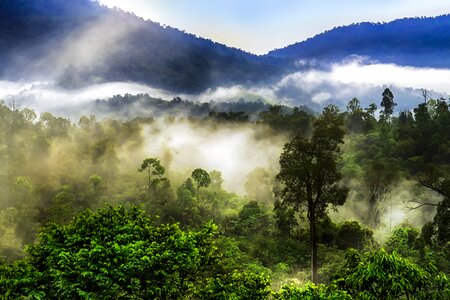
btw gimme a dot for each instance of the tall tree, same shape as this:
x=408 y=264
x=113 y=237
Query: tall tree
x=309 y=173
x=388 y=105
x=155 y=172
x=201 y=178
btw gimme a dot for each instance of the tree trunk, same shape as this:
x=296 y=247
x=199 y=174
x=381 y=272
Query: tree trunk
x=373 y=218
x=313 y=240
x=198 y=189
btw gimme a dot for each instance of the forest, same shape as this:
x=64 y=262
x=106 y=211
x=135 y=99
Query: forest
x=347 y=204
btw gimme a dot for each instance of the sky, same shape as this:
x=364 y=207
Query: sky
x=258 y=26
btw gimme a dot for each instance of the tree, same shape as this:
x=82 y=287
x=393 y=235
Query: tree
x=311 y=292
x=371 y=109
x=201 y=178
x=25 y=204
x=252 y=220
x=357 y=120
x=380 y=174
x=309 y=173
x=351 y=235
x=155 y=172
x=380 y=275
x=117 y=253
x=236 y=285
x=388 y=105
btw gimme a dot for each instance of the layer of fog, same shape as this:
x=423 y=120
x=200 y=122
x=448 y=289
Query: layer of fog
x=314 y=88
x=398 y=206
x=338 y=83
x=48 y=97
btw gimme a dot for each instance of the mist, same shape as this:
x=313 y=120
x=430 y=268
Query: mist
x=314 y=88
x=233 y=149
x=397 y=207
x=68 y=57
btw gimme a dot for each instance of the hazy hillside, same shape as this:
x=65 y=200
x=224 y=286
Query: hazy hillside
x=421 y=42
x=79 y=42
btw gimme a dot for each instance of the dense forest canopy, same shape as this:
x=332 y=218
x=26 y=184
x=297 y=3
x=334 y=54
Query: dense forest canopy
x=357 y=202
x=284 y=176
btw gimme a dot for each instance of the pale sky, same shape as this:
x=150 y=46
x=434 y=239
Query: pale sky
x=259 y=26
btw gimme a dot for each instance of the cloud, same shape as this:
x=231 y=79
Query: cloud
x=340 y=82
x=335 y=84
x=46 y=96
x=390 y=74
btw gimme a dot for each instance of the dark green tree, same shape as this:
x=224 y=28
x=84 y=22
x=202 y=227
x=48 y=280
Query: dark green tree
x=356 y=119
x=382 y=275
x=388 y=105
x=351 y=235
x=201 y=178
x=155 y=172
x=311 y=292
x=117 y=253
x=310 y=176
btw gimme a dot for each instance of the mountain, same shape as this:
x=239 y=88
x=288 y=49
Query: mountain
x=79 y=42
x=420 y=42
x=73 y=47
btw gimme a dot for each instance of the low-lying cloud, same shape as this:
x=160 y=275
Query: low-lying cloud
x=314 y=87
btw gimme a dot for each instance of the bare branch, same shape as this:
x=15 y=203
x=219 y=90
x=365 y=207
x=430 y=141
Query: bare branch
x=421 y=205
x=431 y=186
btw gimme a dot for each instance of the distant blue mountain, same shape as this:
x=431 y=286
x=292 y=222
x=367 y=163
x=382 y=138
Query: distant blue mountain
x=421 y=42
x=32 y=32
x=152 y=54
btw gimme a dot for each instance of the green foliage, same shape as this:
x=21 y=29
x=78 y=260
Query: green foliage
x=201 y=177
x=441 y=222
x=308 y=167
x=96 y=181
x=309 y=173
x=388 y=105
x=64 y=205
x=311 y=292
x=350 y=234
x=154 y=170
x=297 y=122
x=285 y=218
x=114 y=253
x=53 y=169
x=380 y=275
x=252 y=219
x=236 y=286
x=357 y=120
x=405 y=241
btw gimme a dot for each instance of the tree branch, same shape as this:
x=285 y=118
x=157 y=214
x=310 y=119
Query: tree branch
x=431 y=187
x=421 y=205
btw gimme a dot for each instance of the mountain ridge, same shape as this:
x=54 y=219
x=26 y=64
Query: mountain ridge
x=403 y=41
x=148 y=53
x=81 y=42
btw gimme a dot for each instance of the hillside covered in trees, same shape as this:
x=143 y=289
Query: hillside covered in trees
x=419 y=42
x=73 y=42
x=345 y=204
